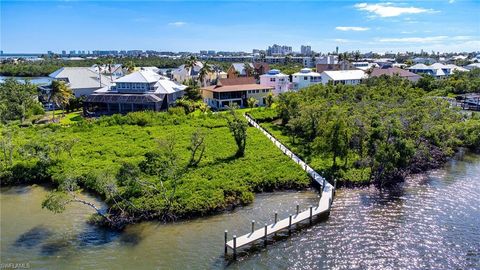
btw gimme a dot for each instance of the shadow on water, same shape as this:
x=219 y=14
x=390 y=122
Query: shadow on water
x=94 y=236
x=33 y=237
x=51 y=243
x=56 y=246
x=131 y=238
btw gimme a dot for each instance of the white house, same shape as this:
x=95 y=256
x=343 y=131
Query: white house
x=305 y=78
x=473 y=66
x=182 y=73
x=140 y=90
x=437 y=70
x=82 y=80
x=364 y=65
x=349 y=77
x=278 y=80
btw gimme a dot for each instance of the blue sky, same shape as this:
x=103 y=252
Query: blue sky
x=443 y=25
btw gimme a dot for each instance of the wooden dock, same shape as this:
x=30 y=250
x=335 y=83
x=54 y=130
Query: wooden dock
x=326 y=198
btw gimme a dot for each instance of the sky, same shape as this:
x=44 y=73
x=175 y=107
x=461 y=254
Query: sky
x=378 y=26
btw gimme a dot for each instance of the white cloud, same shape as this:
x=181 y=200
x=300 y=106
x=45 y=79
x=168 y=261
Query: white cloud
x=451 y=1
x=177 y=24
x=388 y=10
x=351 y=28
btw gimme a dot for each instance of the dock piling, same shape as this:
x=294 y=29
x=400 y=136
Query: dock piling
x=265 y=237
x=298 y=209
x=311 y=208
x=276 y=217
x=253 y=225
x=226 y=247
x=289 y=224
x=234 y=247
x=334 y=186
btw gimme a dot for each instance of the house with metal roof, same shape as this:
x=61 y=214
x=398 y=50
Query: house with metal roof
x=349 y=77
x=138 y=91
x=305 y=78
x=182 y=73
x=235 y=91
x=82 y=80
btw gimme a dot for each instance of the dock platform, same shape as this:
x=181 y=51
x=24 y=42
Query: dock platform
x=327 y=192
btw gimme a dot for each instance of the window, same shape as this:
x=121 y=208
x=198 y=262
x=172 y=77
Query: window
x=305 y=78
x=272 y=79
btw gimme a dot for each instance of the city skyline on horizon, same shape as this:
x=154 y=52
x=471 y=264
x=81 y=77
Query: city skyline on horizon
x=443 y=26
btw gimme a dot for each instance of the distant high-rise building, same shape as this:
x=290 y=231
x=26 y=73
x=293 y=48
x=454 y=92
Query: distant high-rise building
x=306 y=50
x=64 y=52
x=336 y=50
x=203 y=52
x=72 y=52
x=279 y=50
x=211 y=52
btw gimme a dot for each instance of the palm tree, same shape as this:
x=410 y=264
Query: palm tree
x=130 y=66
x=269 y=100
x=248 y=69
x=251 y=102
x=356 y=55
x=204 y=72
x=190 y=64
x=60 y=94
x=110 y=66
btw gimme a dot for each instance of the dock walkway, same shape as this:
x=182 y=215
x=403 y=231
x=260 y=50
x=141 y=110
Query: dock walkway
x=326 y=198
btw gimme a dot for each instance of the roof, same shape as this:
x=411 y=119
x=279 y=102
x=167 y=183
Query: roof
x=419 y=66
x=237 y=81
x=274 y=73
x=166 y=86
x=81 y=77
x=376 y=72
x=238 y=87
x=340 y=75
x=141 y=76
x=306 y=72
x=439 y=65
x=457 y=68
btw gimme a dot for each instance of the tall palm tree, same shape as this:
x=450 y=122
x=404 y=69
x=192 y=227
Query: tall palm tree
x=190 y=64
x=248 y=69
x=204 y=72
x=356 y=55
x=60 y=94
x=130 y=66
x=110 y=66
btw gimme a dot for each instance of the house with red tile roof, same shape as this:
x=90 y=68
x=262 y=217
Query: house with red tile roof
x=235 y=91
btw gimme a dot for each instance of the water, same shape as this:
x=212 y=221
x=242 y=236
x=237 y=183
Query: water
x=34 y=80
x=431 y=222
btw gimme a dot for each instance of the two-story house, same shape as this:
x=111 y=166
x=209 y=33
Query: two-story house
x=138 y=91
x=305 y=78
x=278 y=80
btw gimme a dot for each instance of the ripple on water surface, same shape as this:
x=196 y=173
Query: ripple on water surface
x=430 y=222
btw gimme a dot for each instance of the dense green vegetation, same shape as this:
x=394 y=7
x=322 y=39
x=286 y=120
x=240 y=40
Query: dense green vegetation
x=148 y=165
x=18 y=101
x=43 y=68
x=457 y=83
x=375 y=132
